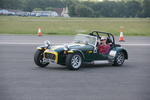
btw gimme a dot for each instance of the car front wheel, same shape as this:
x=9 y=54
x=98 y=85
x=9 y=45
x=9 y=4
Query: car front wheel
x=119 y=60
x=38 y=59
x=74 y=61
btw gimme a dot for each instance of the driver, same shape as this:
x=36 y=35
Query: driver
x=104 y=47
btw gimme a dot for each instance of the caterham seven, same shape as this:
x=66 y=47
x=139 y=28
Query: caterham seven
x=83 y=49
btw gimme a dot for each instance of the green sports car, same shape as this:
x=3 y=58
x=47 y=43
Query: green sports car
x=84 y=49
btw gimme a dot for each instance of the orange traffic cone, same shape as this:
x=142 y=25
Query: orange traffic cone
x=39 y=32
x=121 y=38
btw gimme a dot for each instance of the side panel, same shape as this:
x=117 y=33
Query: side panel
x=94 y=56
x=99 y=56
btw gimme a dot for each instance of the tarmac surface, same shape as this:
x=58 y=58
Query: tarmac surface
x=21 y=79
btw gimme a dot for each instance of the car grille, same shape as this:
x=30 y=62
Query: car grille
x=50 y=56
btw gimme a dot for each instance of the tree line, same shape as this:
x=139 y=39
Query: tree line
x=124 y=8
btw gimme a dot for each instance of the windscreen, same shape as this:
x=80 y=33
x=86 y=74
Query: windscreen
x=85 y=39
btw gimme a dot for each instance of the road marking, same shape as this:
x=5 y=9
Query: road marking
x=33 y=43
x=135 y=44
x=27 y=43
x=15 y=43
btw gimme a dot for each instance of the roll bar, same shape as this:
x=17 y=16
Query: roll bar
x=109 y=35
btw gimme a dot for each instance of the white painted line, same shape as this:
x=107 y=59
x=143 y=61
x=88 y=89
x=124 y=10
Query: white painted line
x=28 y=43
x=135 y=44
x=34 y=43
x=12 y=43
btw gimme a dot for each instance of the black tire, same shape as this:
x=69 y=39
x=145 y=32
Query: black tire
x=38 y=59
x=119 y=59
x=74 y=61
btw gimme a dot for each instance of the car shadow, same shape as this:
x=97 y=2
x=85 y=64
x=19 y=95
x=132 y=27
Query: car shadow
x=64 y=68
x=83 y=67
x=52 y=67
x=96 y=66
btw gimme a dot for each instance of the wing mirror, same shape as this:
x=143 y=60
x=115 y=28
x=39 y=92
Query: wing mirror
x=47 y=43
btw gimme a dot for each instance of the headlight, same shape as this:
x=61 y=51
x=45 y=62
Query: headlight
x=47 y=43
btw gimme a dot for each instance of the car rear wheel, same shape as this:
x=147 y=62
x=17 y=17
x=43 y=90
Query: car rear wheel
x=74 y=61
x=119 y=60
x=38 y=59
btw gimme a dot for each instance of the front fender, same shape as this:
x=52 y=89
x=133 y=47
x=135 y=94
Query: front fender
x=120 y=49
x=41 y=47
x=125 y=53
x=76 y=51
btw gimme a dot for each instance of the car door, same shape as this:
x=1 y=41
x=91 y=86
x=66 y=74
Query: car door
x=93 y=54
x=99 y=56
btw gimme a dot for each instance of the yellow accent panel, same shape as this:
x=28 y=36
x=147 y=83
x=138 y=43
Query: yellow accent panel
x=39 y=48
x=56 y=54
x=90 y=51
x=70 y=51
x=53 y=49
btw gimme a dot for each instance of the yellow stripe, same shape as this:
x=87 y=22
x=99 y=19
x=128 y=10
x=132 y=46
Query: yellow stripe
x=70 y=51
x=90 y=51
x=56 y=54
x=39 y=48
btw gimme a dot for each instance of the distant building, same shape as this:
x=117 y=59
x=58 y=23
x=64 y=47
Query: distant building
x=22 y=13
x=11 y=12
x=58 y=10
x=65 y=12
x=44 y=13
x=14 y=12
x=62 y=12
x=3 y=12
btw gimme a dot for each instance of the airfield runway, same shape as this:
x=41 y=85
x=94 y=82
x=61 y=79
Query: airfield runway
x=21 y=79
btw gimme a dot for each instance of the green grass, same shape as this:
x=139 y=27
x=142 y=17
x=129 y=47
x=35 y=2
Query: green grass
x=70 y=26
